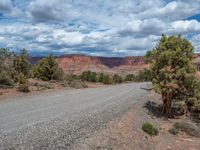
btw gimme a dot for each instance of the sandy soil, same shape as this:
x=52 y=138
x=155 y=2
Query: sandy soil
x=12 y=92
x=43 y=87
x=127 y=134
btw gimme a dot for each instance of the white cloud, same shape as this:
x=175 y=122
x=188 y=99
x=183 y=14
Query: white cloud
x=173 y=10
x=144 y=43
x=143 y=27
x=69 y=38
x=184 y=27
x=111 y=27
x=7 y=8
x=195 y=41
x=45 y=10
x=35 y=36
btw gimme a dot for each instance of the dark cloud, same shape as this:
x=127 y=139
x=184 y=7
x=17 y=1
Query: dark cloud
x=5 y=5
x=50 y=10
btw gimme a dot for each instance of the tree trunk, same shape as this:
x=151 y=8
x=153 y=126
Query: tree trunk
x=166 y=99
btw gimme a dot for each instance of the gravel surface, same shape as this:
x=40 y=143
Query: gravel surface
x=59 y=120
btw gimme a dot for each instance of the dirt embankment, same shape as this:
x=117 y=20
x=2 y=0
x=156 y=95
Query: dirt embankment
x=39 y=86
x=127 y=134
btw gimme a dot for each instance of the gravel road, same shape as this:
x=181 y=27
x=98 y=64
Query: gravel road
x=58 y=120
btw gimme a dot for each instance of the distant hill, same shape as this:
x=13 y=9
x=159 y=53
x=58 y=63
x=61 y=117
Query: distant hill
x=76 y=64
x=120 y=65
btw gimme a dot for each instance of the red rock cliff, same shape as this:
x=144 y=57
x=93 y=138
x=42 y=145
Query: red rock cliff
x=79 y=63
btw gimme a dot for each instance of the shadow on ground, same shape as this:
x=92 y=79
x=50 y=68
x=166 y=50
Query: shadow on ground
x=153 y=108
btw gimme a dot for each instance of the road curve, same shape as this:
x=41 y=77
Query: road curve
x=58 y=120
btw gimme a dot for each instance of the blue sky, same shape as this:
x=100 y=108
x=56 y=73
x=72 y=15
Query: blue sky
x=96 y=27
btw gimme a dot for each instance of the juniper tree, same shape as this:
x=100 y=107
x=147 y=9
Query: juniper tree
x=172 y=71
x=117 y=79
x=47 y=69
x=6 y=61
x=21 y=64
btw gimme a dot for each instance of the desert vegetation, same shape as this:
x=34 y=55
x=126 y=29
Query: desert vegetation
x=171 y=71
x=47 y=69
x=141 y=76
x=6 y=69
x=174 y=78
x=173 y=74
x=17 y=71
x=150 y=129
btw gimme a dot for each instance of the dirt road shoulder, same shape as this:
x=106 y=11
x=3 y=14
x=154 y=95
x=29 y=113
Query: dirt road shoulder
x=127 y=134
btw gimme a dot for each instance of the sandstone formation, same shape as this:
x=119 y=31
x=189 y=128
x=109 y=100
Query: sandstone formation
x=76 y=64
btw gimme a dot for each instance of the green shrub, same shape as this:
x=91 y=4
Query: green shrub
x=84 y=85
x=106 y=79
x=43 y=86
x=130 y=77
x=77 y=84
x=4 y=53
x=143 y=76
x=71 y=77
x=22 y=85
x=192 y=88
x=101 y=76
x=117 y=79
x=5 y=80
x=5 y=57
x=172 y=70
x=187 y=126
x=173 y=131
x=93 y=77
x=21 y=64
x=85 y=75
x=176 y=125
x=47 y=69
x=6 y=68
x=89 y=76
x=65 y=83
x=150 y=129
x=197 y=105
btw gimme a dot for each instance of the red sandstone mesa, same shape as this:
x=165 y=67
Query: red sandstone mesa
x=80 y=63
x=76 y=64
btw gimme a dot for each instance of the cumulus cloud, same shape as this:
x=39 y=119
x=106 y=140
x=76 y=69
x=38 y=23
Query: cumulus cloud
x=195 y=41
x=173 y=10
x=143 y=28
x=7 y=8
x=98 y=27
x=183 y=27
x=5 y=5
x=45 y=10
x=157 y=27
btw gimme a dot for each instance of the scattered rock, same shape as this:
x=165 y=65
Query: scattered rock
x=77 y=84
x=1 y=92
x=189 y=127
x=178 y=109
